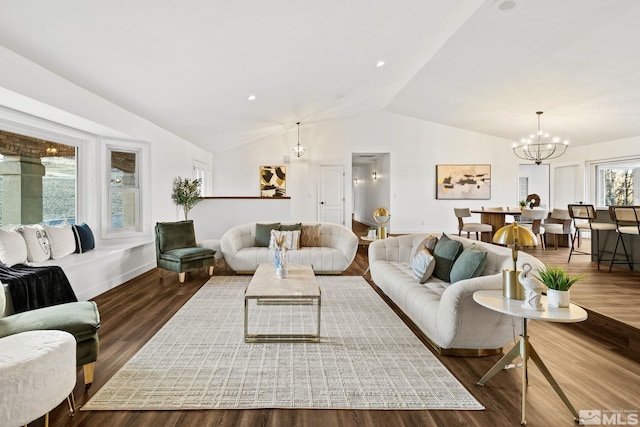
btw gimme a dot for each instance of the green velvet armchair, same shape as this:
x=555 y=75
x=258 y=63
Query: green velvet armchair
x=176 y=249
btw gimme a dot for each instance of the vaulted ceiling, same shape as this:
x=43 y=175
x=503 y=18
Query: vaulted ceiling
x=487 y=66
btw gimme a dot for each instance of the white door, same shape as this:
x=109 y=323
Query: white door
x=331 y=194
x=565 y=188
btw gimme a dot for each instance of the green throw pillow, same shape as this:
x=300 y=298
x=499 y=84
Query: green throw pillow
x=445 y=253
x=263 y=233
x=469 y=264
x=291 y=227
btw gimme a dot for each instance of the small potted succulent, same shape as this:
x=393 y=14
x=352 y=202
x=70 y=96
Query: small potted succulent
x=523 y=204
x=558 y=283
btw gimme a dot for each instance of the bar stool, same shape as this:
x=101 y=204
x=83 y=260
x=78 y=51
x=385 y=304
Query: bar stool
x=583 y=217
x=627 y=220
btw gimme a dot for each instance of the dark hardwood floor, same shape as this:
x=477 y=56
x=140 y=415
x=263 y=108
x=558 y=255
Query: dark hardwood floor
x=595 y=372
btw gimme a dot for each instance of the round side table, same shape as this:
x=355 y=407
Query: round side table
x=493 y=300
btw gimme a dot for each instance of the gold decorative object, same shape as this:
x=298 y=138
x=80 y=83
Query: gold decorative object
x=515 y=236
x=382 y=216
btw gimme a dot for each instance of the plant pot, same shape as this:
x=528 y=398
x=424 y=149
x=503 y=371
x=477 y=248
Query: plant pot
x=557 y=299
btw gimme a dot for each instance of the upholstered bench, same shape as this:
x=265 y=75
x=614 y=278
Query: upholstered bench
x=81 y=319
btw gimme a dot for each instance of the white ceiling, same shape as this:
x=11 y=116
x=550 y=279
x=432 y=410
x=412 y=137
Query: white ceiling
x=189 y=65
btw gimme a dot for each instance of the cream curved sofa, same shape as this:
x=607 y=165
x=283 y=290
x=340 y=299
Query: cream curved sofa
x=446 y=313
x=338 y=246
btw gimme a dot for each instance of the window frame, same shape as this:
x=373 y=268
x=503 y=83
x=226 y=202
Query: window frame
x=142 y=190
x=596 y=184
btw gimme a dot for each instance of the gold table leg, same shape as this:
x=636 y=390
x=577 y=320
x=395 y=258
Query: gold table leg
x=526 y=351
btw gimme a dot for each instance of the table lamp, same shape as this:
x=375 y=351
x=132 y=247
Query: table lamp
x=515 y=236
x=381 y=216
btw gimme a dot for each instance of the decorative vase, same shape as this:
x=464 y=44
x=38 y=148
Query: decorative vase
x=557 y=299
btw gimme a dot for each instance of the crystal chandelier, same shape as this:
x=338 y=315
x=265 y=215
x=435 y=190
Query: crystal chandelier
x=298 y=150
x=540 y=146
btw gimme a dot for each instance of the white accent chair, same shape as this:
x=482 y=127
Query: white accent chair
x=470 y=227
x=38 y=371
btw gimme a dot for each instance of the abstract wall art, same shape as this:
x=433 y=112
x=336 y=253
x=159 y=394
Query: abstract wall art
x=463 y=182
x=273 y=181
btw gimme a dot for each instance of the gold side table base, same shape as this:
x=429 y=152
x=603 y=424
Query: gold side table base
x=524 y=349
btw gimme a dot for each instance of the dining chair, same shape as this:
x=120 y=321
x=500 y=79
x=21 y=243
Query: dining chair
x=583 y=217
x=627 y=220
x=470 y=227
x=532 y=219
x=558 y=223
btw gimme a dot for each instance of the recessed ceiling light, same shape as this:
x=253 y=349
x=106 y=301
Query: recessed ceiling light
x=379 y=63
x=251 y=97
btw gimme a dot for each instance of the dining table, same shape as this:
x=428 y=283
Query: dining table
x=495 y=217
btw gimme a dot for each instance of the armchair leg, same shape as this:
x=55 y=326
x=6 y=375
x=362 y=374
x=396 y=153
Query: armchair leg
x=89 y=370
x=211 y=270
x=181 y=276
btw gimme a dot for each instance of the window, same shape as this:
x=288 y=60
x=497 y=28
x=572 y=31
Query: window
x=202 y=171
x=125 y=199
x=38 y=180
x=616 y=182
x=124 y=192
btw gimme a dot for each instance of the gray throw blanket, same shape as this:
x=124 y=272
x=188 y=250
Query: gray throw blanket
x=36 y=287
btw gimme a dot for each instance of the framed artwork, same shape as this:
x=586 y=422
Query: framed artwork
x=463 y=182
x=273 y=181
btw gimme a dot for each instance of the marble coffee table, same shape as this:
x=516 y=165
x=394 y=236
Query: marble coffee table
x=298 y=287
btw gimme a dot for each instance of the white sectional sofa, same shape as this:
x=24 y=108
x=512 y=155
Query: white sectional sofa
x=446 y=313
x=336 y=251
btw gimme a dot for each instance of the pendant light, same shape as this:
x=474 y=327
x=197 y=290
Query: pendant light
x=298 y=150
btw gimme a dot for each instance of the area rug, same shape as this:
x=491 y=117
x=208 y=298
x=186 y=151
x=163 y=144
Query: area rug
x=367 y=358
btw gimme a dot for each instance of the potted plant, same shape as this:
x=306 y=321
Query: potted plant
x=558 y=283
x=186 y=193
x=523 y=204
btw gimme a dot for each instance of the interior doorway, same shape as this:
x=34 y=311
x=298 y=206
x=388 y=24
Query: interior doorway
x=534 y=179
x=371 y=186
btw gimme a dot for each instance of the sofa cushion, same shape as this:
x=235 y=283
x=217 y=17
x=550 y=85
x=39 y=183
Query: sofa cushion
x=445 y=253
x=61 y=240
x=84 y=238
x=291 y=239
x=291 y=227
x=429 y=242
x=423 y=265
x=187 y=254
x=38 y=246
x=175 y=235
x=13 y=248
x=469 y=264
x=310 y=235
x=263 y=233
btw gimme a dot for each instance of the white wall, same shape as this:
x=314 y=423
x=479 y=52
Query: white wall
x=414 y=148
x=31 y=89
x=538 y=180
x=583 y=157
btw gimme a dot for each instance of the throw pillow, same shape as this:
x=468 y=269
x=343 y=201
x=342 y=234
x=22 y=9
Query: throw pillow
x=38 y=246
x=61 y=240
x=263 y=233
x=469 y=264
x=291 y=239
x=291 y=227
x=84 y=238
x=13 y=248
x=445 y=253
x=310 y=235
x=423 y=265
x=429 y=242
